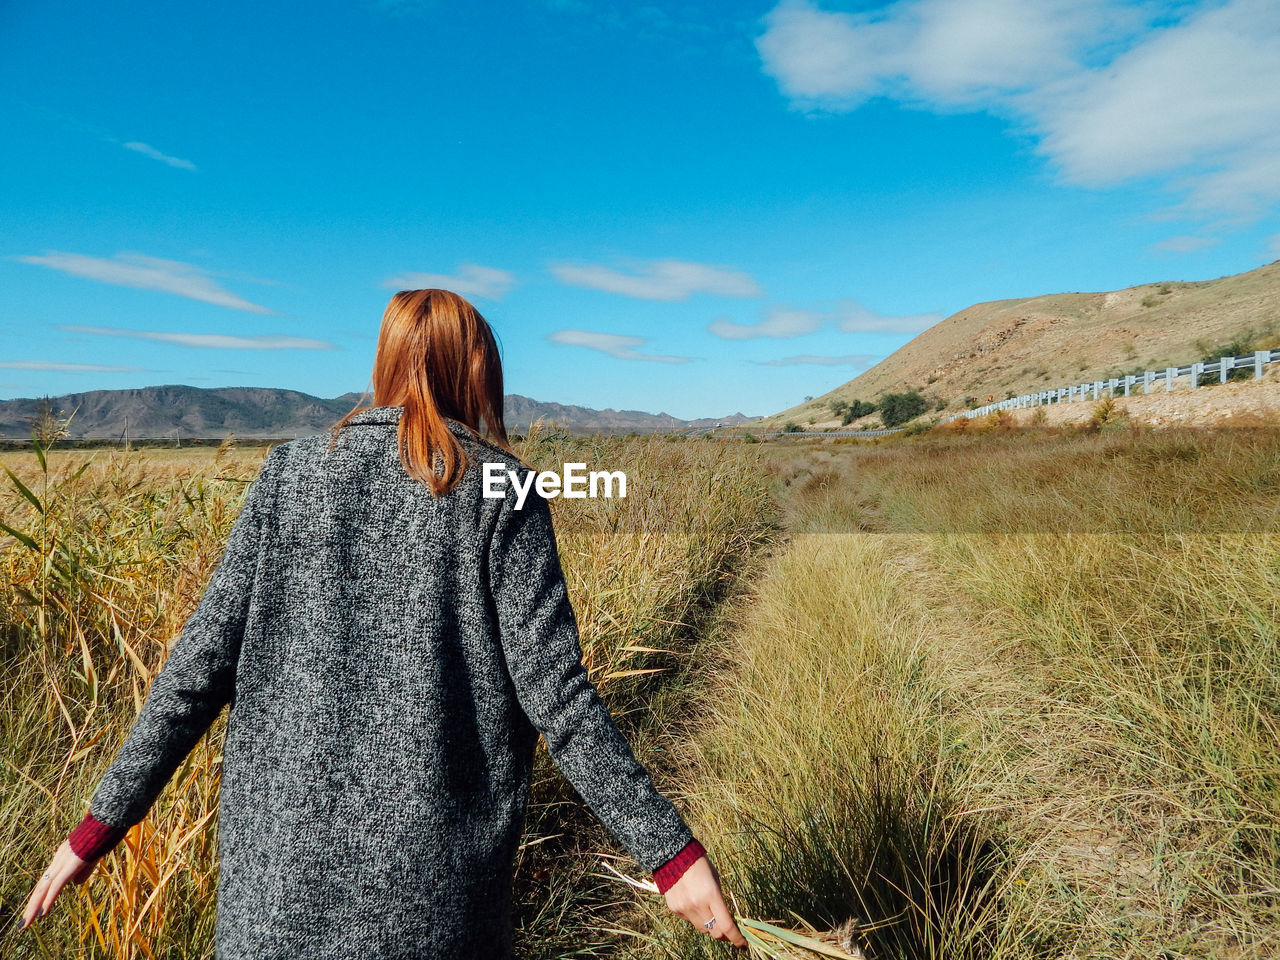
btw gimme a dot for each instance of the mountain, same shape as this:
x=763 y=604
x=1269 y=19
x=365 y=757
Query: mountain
x=1038 y=343
x=519 y=412
x=180 y=410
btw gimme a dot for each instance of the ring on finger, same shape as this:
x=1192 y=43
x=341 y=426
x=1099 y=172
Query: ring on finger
x=709 y=924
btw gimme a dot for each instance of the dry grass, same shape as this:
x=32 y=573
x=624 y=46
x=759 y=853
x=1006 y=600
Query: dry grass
x=1057 y=653
x=1002 y=693
x=830 y=775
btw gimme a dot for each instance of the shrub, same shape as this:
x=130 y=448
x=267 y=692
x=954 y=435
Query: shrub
x=898 y=408
x=1106 y=416
x=1243 y=343
x=855 y=409
x=792 y=427
x=999 y=420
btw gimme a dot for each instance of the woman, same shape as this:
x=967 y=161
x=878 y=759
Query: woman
x=391 y=642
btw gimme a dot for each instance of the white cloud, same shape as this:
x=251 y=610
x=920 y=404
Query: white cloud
x=851 y=360
x=831 y=60
x=966 y=49
x=471 y=280
x=852 y=317
x=614 y=344
x=660 y=280
x=149 y=151
x=779 y=322
x=215 y=340
x=61 y=367
x=1197 y=99
x=147 y=273
x=1112 y=91
x=1184 y=244
x=845 y=315
x=950 y=50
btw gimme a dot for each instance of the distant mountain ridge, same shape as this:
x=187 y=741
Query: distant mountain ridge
x=268 y=412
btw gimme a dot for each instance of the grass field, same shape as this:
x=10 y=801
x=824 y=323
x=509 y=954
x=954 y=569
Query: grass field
x=1002 y=694
x=1006 y=695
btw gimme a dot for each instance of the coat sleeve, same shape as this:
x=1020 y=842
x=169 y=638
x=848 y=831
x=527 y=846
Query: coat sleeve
x=198 y=676
x=544 y=659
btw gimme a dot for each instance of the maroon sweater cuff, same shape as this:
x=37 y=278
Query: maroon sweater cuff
x=671 y=871
x=92 y=838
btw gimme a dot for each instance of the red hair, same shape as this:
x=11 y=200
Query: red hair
x=437 y=358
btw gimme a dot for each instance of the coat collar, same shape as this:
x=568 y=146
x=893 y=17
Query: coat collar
x=376 y=415
x=391 y=415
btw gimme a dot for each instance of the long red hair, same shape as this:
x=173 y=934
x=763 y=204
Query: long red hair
x=437 y=358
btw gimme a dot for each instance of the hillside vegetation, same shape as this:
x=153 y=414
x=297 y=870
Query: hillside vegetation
x=1038 y=343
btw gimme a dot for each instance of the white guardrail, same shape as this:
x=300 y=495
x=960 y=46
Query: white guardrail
x=1095 y=390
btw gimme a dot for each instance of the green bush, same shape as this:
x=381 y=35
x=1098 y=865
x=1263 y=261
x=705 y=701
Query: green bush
x=856 y=409
x=898 y=408
x=1240 y=345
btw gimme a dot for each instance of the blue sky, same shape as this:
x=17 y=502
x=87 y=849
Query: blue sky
x=690 y=207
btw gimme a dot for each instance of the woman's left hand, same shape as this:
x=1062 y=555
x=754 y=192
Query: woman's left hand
x=65 y=866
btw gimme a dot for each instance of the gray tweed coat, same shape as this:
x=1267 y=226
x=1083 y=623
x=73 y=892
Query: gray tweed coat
x=389 y=659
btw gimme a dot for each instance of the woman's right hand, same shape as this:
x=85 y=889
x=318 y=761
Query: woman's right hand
x=66 y=866
x=696 y=896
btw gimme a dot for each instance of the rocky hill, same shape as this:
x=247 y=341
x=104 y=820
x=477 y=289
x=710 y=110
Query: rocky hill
x=1037 y=343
